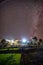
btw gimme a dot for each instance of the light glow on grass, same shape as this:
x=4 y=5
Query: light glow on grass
x=10 y=59
x=3 y=49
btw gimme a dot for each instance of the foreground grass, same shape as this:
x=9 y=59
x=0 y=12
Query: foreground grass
x=3 y=49
x=10 y=59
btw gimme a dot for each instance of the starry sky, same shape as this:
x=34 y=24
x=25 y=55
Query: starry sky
x=20 y=19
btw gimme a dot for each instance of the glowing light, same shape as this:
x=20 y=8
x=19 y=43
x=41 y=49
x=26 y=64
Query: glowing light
x=28 y=41
x=12 y=41
x=7 y=40
x=24 y=40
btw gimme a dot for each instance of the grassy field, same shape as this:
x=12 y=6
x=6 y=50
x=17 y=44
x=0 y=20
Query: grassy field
x=10 y=59
x=9 y=49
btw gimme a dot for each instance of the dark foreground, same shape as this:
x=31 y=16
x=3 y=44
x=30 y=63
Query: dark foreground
x=32 y=56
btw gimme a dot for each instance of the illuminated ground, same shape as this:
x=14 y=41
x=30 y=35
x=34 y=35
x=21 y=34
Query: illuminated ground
x=2 y=49
x=25 y=57
x=10 y=59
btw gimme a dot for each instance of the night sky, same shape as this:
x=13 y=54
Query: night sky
x=20 y=19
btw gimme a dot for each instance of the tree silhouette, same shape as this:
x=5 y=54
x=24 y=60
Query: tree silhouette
x=35 y=38
x=4 y=44
x=40 y=43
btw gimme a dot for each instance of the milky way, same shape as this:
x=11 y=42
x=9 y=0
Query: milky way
x=36 y=13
